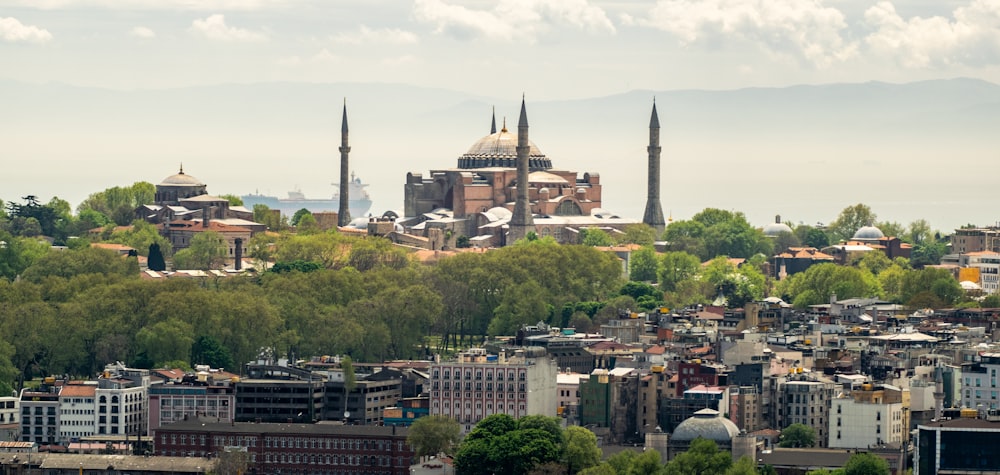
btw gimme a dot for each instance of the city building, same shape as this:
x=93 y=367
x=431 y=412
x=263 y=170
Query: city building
x=805 y=398
x=477 y=384
x=857 y=424
x=40 y=414
x=979 y=382
x=962 y=445
x=293 y=448
x=77 y=411
x=172 y=402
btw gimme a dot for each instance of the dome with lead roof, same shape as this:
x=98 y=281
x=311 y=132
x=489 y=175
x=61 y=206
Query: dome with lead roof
x=867 y=233
x=707 y=424
x=500 y=150
x=181 y=179
x=776 y=228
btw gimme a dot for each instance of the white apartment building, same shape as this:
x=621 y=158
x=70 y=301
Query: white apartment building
x=979 y=382
x=10 y=410
x=477 y=385
x=77 y=411
x=861 y=424
x=988 y=263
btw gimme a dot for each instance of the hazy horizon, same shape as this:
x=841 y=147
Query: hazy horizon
x=777 y=107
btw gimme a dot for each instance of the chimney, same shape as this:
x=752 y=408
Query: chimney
x=205 y=216
x=238 y=242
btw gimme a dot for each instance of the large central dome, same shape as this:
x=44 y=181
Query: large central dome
x=500 y=150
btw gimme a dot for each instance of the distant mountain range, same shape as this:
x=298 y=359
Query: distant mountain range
x=923 y=149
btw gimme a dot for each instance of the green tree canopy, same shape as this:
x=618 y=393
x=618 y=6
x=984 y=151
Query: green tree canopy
x=866 y=464
x=797 y=435
x=434 y=434
x=208 y=250
x=850 y=220
x=702 y=457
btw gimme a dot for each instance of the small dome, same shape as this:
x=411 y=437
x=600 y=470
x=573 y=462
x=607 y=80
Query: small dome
x=776 y=228
x=181 y=179
x=707 y=424
x=868 y=233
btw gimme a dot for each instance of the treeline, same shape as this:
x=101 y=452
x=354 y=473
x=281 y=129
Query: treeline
x=72 y=311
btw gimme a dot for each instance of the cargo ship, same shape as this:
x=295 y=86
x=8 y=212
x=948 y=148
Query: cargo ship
x=359 y=203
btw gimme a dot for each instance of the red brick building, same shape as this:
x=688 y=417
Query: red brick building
x=293 y=449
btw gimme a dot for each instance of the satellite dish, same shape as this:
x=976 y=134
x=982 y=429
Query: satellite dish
x=347 y=414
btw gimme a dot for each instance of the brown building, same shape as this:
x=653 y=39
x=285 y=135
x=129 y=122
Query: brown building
x=293 y=448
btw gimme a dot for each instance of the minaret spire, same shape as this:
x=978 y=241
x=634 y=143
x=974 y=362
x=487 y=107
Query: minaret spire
x=493 y=123
x=653 y=216
x=343 y=211
x=521 y=222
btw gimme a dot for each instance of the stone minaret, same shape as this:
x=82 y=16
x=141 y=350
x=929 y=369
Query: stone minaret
x=653 y=215
x=344 y=213
x=493 y=122
x=521 y=221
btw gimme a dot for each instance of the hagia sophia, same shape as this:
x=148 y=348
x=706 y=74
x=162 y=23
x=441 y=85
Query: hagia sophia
x=503 y=188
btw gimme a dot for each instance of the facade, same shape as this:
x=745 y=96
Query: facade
x=10 y=412
x=805 y=400
x=122 y=396
x=858 y=424
x=40 y=415
x=979 y=382
x=366 y=404
x=77 y=411
x=279 y=401
x=959 y=446
x=477 y=385
x=674 y=411
x=987 y=263
x=294 y=448
x=173 y=402
x=745 y=403
x=966 y=240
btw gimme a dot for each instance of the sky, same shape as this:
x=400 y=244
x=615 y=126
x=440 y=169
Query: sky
x=548 y=50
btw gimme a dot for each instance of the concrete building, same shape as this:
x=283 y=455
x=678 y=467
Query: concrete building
x=122 y=397
x=77 y=411
x=804 y=398
x=963 y=445
x=477 y=384
x=40 y=414
x=858 y=424
x=174 y=402
x=294 y=448
x=979 y=382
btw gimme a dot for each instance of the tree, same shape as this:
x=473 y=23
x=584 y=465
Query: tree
x=141 y=235
x=595 y=237
x=298 y=215
x=500 y=445
x=642 y=265
x=350 y=379
x=208 y=351
x=156 y=261
x=165 y=341
x=232 y=199
x=797 y=435
x=850 y=220
x=866 y=464
x=208 y=250
x=744 y=466
x=434 y=434
x=307 y=224
x=918 y=232
x=232 y=462
x=639 y=233
x=118 y=203
x=702 y=457
x=580 y=450
x=675 y=267
x=812 y=237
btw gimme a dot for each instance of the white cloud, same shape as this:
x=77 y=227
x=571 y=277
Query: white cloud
x=215 y=28
x=803 y=29
x=971 y=37
x=142 y=32
x=512 y=20
x=366 y=35
x=14 y=31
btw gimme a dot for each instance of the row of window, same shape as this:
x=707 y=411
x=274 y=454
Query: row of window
x=479 y=375
x=355 y=460
x=479 y=395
